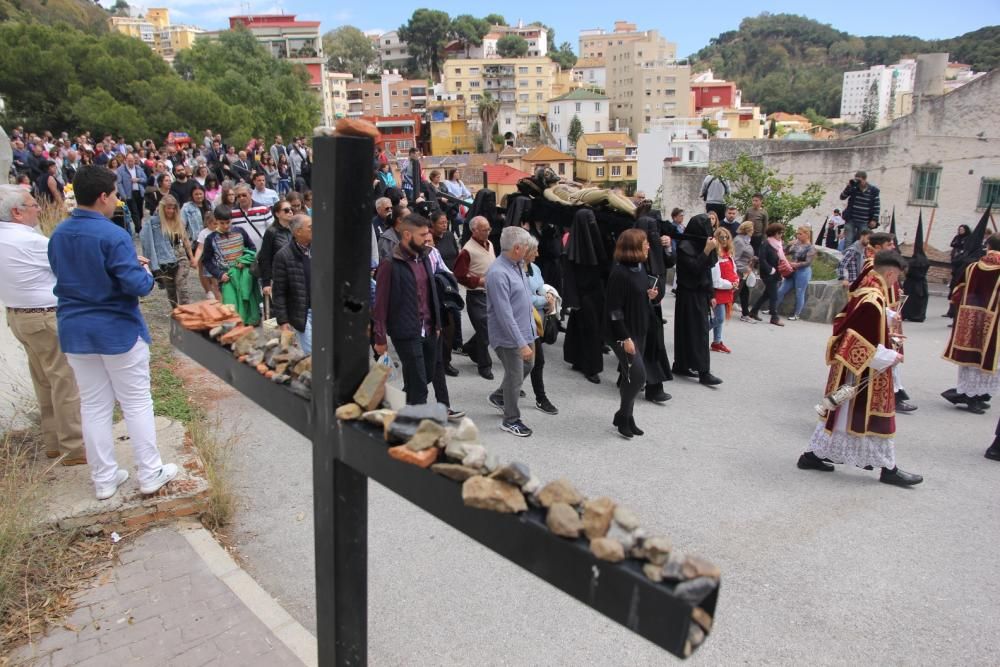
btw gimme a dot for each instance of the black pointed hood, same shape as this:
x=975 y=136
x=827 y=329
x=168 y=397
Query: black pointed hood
x=918 y=240
x=892 y=225
x=973 y=249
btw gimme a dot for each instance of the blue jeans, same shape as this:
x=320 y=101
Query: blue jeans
x=306 y=337
x=718 y=319
x=800 y=281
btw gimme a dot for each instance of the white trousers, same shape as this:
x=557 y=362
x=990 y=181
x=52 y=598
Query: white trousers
x=104 y=378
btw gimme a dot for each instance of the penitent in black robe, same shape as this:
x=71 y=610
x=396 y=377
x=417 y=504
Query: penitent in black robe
x=694 y=292
x=654 y=353
x=915 y=285
x=584 y=295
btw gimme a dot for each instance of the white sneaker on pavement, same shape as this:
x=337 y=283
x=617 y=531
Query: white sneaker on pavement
x=166 y=473
x=105 y=492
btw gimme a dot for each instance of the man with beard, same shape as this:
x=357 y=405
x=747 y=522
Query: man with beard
x=973 y=345
x=696 y=255
x=407 y=307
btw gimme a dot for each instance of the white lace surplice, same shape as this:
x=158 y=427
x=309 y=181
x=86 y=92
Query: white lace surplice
x=976 y=382
x=857 y=450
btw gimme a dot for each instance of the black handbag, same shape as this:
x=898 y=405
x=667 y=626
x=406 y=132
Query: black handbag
x=550 y=329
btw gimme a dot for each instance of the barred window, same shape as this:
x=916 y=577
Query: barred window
x=925 y=182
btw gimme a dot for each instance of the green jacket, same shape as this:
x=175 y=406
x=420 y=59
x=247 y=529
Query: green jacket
x=242 y=290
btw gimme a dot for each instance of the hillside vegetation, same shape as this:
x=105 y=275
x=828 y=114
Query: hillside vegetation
x=79 y=14
x=791 y=63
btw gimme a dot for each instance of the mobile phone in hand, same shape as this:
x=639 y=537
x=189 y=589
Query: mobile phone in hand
x=653 y=281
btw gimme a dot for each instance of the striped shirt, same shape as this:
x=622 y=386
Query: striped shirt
x=254 y=221
x=231 y=247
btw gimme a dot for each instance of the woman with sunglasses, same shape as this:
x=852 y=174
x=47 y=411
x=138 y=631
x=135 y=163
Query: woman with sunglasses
x=276 y=237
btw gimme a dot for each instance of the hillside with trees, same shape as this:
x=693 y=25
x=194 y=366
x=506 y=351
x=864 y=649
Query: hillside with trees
x=80 y=14
x=791 y=63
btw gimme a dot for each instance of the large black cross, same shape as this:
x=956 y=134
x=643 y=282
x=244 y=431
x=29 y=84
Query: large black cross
x=346 y=454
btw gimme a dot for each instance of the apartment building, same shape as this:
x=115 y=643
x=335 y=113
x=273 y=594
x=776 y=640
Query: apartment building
x=156 y=31
x=591 y=108
x=392 y=96
x=336 y=92
x=450 y=131
x=522 y=85
x=646 y=82
x=393 y=52
x=607 y=159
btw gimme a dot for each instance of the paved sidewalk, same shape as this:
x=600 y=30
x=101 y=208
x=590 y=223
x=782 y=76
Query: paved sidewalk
x=176 y=598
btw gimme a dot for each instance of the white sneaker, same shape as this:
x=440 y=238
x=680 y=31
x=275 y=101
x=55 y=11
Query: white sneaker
x=166 y=473
x=103 y=493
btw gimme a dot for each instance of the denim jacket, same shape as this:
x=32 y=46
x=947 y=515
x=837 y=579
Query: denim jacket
x=156 y=247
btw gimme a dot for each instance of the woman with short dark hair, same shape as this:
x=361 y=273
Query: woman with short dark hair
x=627 y=315
x=771 y=252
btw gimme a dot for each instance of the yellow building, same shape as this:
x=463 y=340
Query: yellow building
x=746 y=122
x=336 y=90
x=546 y=156
x=450 y=132
x=607 y=159
x=155 y=30
x=523 y=86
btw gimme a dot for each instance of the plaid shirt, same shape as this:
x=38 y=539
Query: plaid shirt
x=850 y=266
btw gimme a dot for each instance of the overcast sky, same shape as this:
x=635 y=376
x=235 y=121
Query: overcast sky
x=689 y=24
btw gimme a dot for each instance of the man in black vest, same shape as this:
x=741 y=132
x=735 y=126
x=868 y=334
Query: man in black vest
x=407 y=307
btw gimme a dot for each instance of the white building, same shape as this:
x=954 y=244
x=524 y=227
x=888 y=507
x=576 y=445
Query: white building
x=591 y=108
x=671 y=141
x=591 y=72
x=891 y=86
x=392 y=52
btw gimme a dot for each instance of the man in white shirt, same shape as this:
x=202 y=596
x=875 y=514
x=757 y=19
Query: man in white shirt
x=26 y=284
x=263 y=195
x=252 y=218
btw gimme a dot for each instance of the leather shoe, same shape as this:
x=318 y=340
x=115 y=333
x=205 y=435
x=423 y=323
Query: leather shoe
x=595 y=378
x=661 y=397
x=450 y=371
x=708 y=379
x=903 y=406
x=810 y=461
x=486 y=373
x=952 y=396
x=778 y=323
x=899 y=477
x=993 y=453
x=685 y=373
x=976 y=406
x=75 y=461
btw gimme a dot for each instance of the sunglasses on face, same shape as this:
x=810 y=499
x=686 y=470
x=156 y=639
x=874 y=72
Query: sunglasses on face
x=284 y=210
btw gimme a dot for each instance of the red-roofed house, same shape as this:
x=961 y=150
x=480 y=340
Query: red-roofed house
x=298 y=41
x=546 y=156
x=502 y=178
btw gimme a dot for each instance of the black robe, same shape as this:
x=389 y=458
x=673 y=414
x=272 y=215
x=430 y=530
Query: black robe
x=583 y=294
x=654 y=352
x=694 y=293
x=915 y=285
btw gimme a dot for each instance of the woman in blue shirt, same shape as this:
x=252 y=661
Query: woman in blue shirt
x=99 y=280
x=166 y=241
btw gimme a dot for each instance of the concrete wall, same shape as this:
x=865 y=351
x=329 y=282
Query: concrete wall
x=958 y=132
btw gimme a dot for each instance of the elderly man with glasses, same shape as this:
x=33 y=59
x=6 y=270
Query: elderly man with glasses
x=26 y=284
x=252 y=218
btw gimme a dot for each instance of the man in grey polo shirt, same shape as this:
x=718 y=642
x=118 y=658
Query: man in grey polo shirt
x=511 y=325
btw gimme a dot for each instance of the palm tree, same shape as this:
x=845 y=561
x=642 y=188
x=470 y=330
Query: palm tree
x=489 y=109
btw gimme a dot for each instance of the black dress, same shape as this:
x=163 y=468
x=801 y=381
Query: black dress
x=584 y=295
x=694 y=293
x=627 y=315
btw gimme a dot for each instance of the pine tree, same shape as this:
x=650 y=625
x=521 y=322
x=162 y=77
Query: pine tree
x=869 y=113
x=575 y=131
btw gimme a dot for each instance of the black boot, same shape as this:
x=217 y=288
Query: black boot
x=810 y=461
x=622 y=425
x=993 y=452
x=655 y=393
x=899 y=477
x=708 y=379
x=635 y=429
x=901 y=395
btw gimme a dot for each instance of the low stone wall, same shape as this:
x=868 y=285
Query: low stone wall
x=824 y=299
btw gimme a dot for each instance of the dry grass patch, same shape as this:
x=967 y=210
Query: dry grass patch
x=40 y=568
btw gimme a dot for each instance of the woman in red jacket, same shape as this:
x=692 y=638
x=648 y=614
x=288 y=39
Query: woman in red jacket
x=726 y=282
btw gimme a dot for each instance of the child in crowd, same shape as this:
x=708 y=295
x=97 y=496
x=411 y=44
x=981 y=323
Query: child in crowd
x=208 y=281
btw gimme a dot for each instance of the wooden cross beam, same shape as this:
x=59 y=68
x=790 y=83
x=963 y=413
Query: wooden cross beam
x=347 y=454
